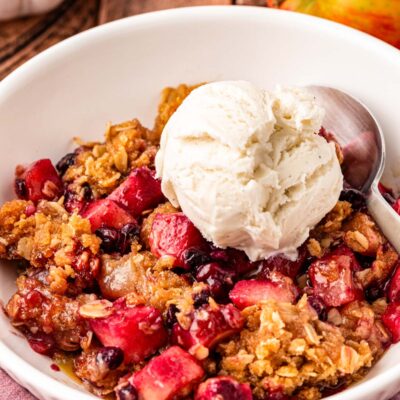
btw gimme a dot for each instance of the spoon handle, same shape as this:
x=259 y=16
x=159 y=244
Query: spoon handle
x=386 y=218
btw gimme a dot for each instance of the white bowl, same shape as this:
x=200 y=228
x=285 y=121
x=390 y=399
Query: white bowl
x=115 y=72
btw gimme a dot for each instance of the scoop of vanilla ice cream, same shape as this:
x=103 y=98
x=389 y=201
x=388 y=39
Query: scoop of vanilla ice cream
x=247 y=168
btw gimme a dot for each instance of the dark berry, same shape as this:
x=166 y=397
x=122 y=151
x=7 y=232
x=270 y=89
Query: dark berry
x=110 y=238
x=127 y=234
x=201 y=298
x=355 y=197
x=112 y=357
x=170 y=318
x=219 y=280
x=20 y=188
x=65 y=163
x=318 y=305
x=42 y=343
x=373 y=293
x=194 y=258
x=220 y=255
x=87 y=193
x=126 y=392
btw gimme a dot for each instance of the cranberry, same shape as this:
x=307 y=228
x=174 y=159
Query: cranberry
x=218 y=279
x=223 y=388
x=219 y=255
x=112 y=357
x=355 y=197
x=170 y=318
x=126 y=392
x=194 y=257
x=20 y=188
x=42 y=343
x=281 y=264
x=65 y=163
x=109 y=239
x=318 y=305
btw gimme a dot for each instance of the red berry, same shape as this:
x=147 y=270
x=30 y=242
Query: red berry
x=391 y=319
x=283 y=265
x=333 y=280
x=171 y=375
x=218 y=278
x=223 y=388
x=139 y=192
x=251 y=292
x=173 y=234
x=107 y=213
x=42 y=343
x=39 y=181
x=210 y=325
x=138 y=331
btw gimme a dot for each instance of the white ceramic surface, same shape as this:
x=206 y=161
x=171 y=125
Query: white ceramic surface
x=116 y=72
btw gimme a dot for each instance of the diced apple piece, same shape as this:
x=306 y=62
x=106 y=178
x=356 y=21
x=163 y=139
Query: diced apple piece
x=210 y=325
x=138 y=331
x=172 y=234
x=107 y=213
x=171 y=375
x=223 y=388
x=139 y=192
x=251 y=292
x=332 y=277
x=38 y=181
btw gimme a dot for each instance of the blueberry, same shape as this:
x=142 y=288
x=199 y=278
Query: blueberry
x=112 y=357
x=127 y=234
x=201 y=298
x=65 y=163
x=170 y=319
x=318 y=305
x=126 y=392
x=353 y=196
x=20 y=188
x=110 y=238
x=194 y=258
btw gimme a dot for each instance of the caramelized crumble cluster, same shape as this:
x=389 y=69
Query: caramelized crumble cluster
x=131 y=299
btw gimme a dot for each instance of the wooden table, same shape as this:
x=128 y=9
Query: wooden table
x=23 y=38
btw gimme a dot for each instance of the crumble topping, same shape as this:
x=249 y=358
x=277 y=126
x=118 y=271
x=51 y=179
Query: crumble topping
x=286 y=347
x=103 y=165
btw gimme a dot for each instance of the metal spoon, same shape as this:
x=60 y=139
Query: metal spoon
x=363 y=145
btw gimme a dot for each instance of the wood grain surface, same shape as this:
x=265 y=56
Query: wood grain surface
x=22 y=38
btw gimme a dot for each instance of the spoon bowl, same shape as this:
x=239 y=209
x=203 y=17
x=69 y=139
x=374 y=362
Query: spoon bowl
x=363 y=144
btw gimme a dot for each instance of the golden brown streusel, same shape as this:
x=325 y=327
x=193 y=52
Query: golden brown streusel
x=329 y=230
x=287 y=347
x=102 y=165
x=51 y=239
x=136 y=276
